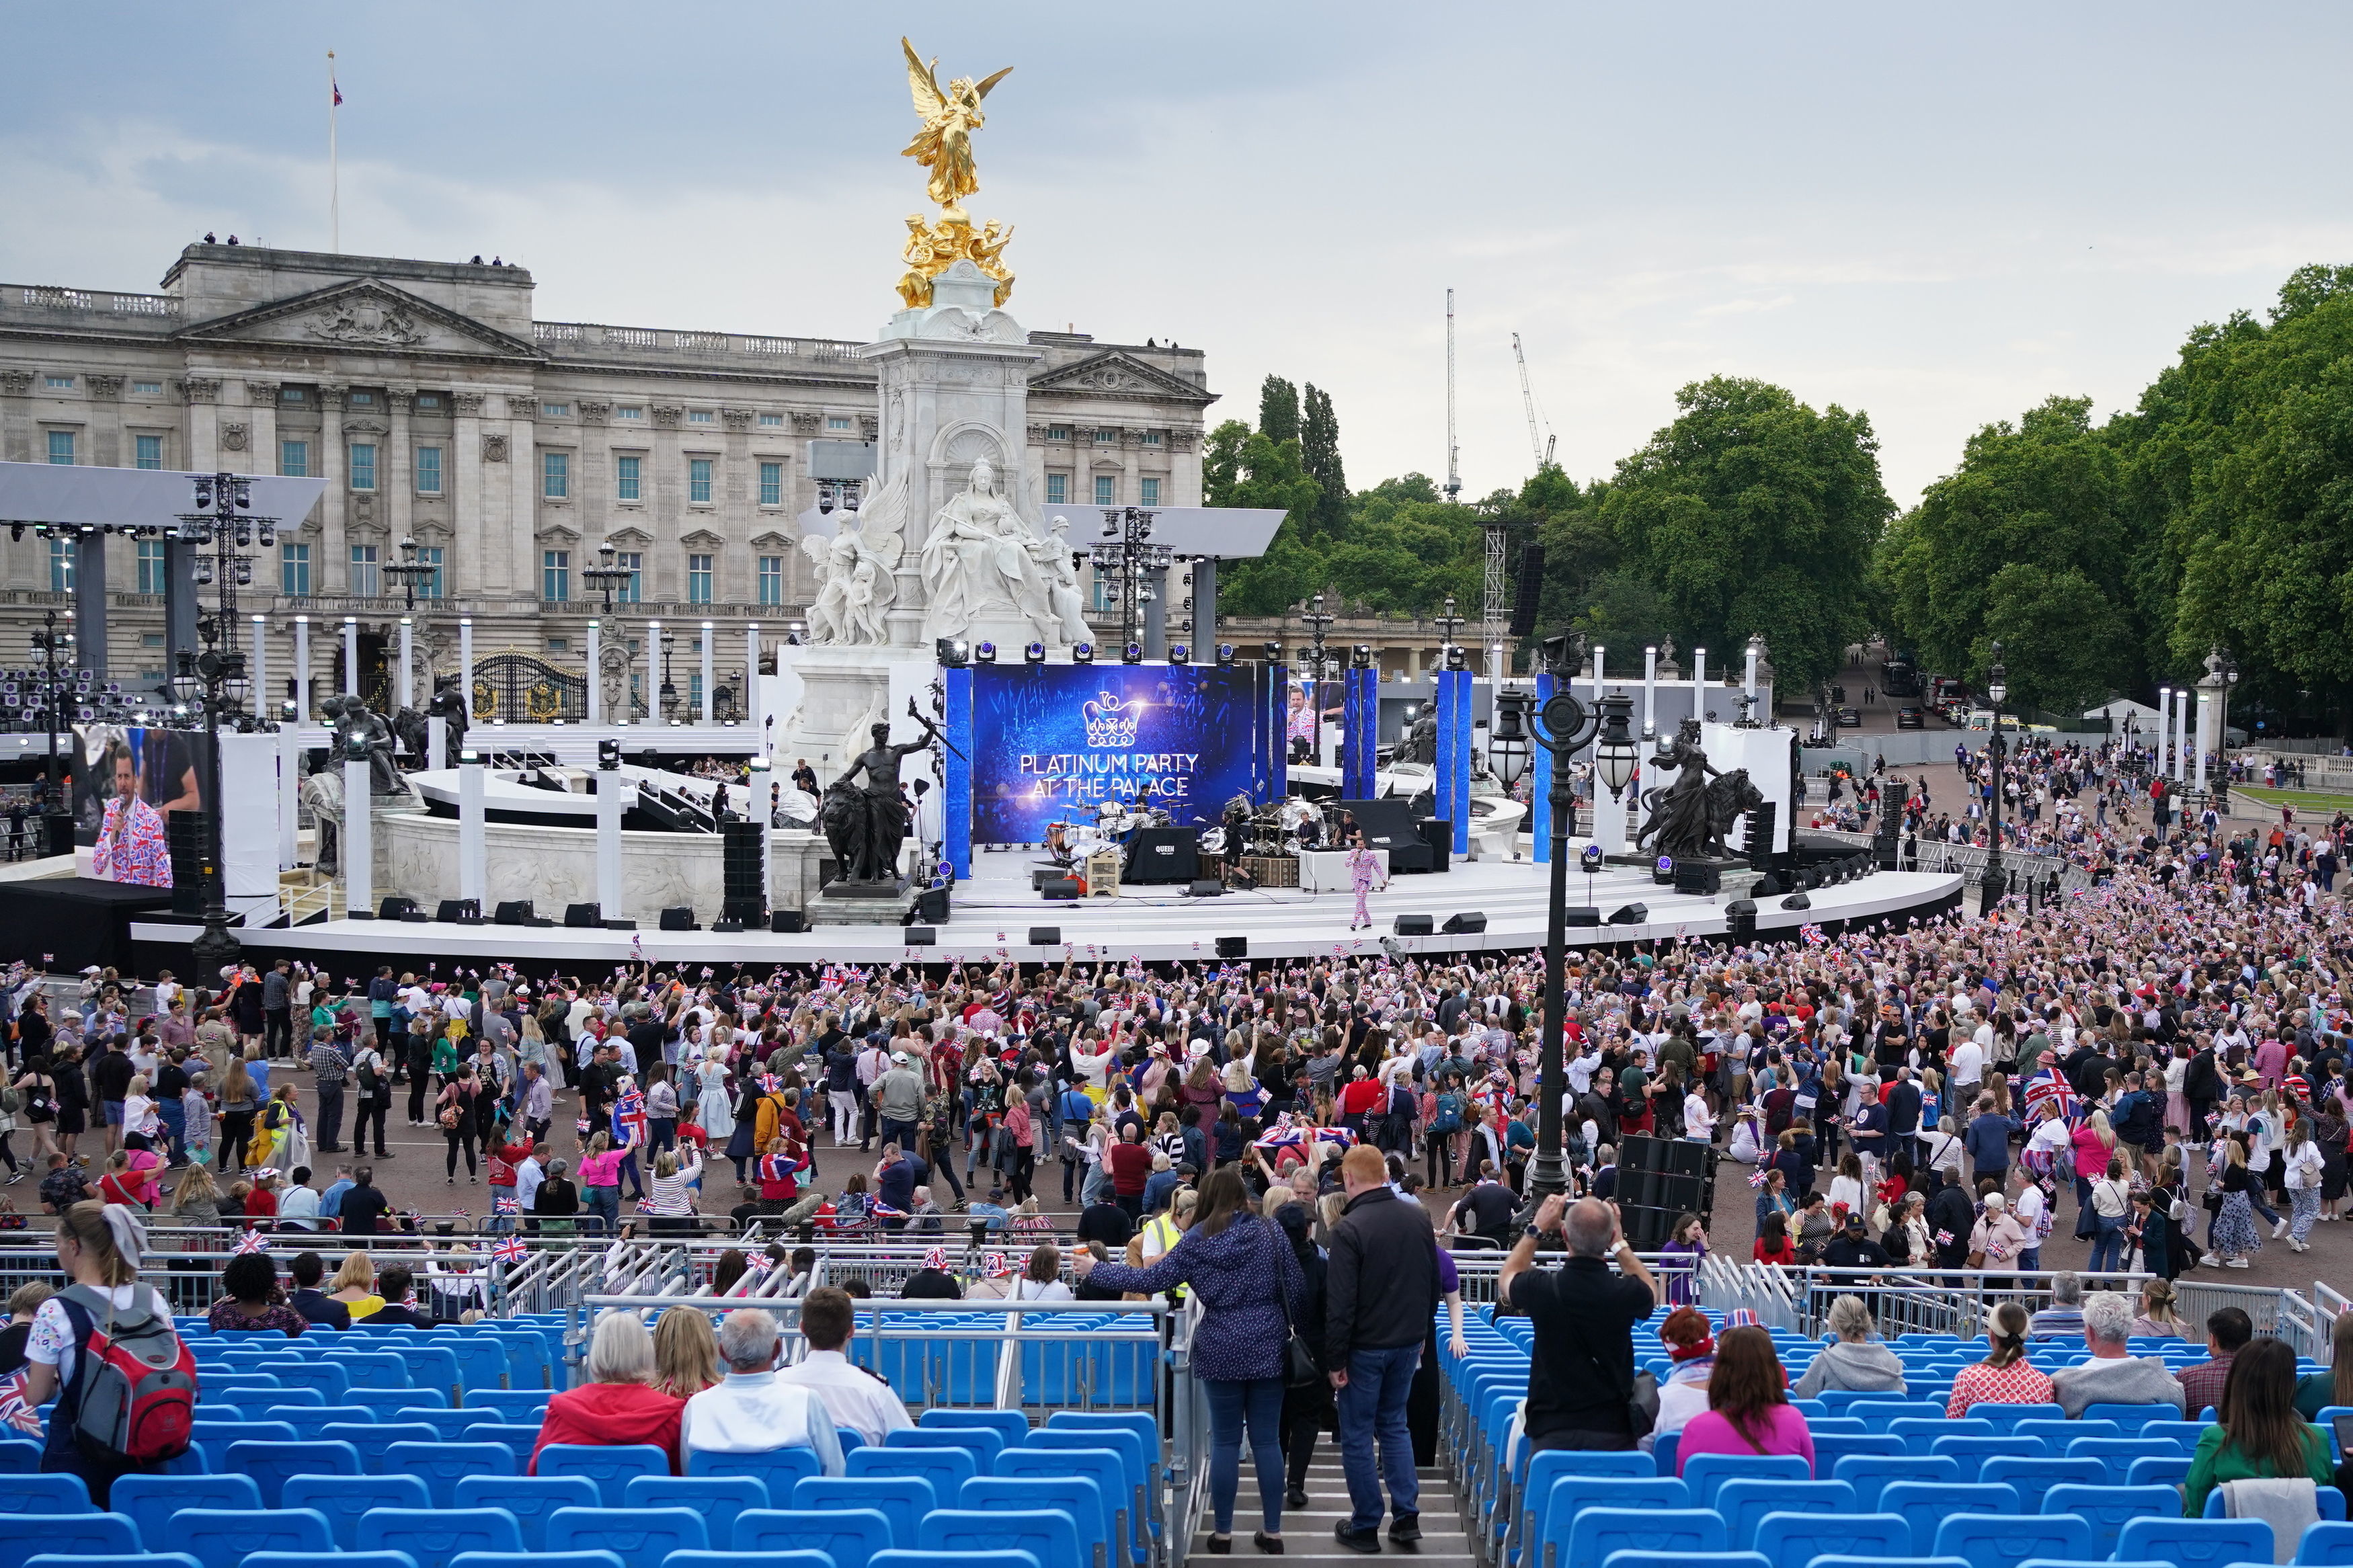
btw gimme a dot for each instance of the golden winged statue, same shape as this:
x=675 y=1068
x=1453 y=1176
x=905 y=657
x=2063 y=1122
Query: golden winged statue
x=944 y=143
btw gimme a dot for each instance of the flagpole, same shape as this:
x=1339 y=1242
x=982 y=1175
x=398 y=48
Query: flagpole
x=334 y=171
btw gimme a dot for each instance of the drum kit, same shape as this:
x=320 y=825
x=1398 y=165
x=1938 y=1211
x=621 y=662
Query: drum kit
x=1278 y=827
x=1106 y=826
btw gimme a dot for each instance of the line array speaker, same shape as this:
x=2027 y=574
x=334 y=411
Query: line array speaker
x=1528 y=590
x=1760 y=830
x=744 y=894
x=184 y=839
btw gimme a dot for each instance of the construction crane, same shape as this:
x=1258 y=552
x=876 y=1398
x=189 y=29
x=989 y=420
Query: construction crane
x=1453 y=472
x=1528 y=399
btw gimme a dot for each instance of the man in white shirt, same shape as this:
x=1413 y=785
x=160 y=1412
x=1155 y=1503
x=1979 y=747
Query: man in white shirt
x=858 y=1398
x=755 y=1410
x=297 y=1203
x=1968 y=1071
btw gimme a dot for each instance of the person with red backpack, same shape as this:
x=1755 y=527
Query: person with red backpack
x=125 y=1384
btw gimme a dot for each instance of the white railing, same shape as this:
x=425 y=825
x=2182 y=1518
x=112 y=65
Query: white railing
x=586 y=335
x=48 y=296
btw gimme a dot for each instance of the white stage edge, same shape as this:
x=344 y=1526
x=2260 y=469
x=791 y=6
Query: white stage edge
x=991 y=916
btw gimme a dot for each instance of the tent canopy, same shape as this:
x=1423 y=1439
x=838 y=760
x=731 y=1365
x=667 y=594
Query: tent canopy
x=134 y=498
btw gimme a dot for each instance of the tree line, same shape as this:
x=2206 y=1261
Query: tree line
x=2105 y=556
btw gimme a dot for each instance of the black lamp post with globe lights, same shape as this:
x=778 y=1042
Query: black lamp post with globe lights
x=1995 y=881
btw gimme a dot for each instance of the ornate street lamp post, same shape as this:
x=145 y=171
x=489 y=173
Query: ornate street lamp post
x=1995 y=881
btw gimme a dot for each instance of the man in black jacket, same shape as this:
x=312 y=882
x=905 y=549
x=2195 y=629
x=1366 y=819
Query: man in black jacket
x=1581 y=1374
x=1380 y=1295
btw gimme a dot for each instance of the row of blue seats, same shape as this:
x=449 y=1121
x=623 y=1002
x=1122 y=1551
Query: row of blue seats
x=383 y=1361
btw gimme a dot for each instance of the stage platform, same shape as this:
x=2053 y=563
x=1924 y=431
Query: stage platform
x=992 y=915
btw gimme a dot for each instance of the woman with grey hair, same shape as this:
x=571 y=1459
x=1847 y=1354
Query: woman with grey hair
x=618 y=1405
x=1852 y=1360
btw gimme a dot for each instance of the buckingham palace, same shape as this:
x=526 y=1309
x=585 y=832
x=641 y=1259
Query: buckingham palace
x=505 y=454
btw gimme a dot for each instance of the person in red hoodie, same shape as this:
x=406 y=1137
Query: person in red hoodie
x=619 y=1406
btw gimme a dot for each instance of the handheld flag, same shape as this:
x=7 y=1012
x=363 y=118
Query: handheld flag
x=511 y=1251
x=17 y=1410
x=250 y=1243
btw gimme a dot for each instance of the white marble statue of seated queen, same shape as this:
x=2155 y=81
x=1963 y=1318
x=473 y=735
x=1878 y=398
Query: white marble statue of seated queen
x=981 y=572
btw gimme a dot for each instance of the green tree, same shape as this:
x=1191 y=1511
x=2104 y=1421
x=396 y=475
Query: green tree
x=2238 y=465
x=1278 y=410
x=1222 y=461
x=2030 y=522
x=1319 y=445
x=1753 y=513
x=1263 y=473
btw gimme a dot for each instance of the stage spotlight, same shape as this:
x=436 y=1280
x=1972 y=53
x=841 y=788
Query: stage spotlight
x=1132 y=654
x=1361 y=656
x=1274 y=653
x=1082 y=653
x=1224 y=655
x=1034 y=654
x=1455 y=659
x=1179 y=653
x=986 y=652
x=954 y=653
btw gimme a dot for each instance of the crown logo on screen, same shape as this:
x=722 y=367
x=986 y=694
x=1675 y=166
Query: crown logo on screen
x=1110 y=723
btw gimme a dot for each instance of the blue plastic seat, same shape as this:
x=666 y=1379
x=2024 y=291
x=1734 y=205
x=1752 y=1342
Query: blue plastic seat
x=343 y=1501
x=2006 y=1417
x=441 y=1465
x=1640 y=1559
x=611 y=1466
x=2107 y=1508
x=1102 y=1466
x=512 y=1404
x=370 y=1369
x=129 y=1560
x=430 y=1366
x=310 y=1421
x=1919 y=1431
x=19 y=1456
x=901 y=1500
x=801 y=1558
x=2002 y=1542
x=1706 y=1472
x=1598 y=1532
x=532 y=1500
x=215 y=1438
x=984 y=1443
x=1882 y=1412
x=2131 y=1418
x=1831 y=1448
x=1557 y=1509
x=1869 y=1473
x=89 y=1534
x=2196 y=1542
x=1048 y=1535
x=579 y=1558
x=220 y=1537
x=2156 y=1470
x=58 y=1493
x=2323 y=1546
x=2033 y=1477
x=946 y=1468
x=1925 y=1505
x=2183 y=1435
x=1890 y=1563
x=718 y=1499
x=1077 y=1496
x=517 y=1440
x=778 y=1470
x=1795 y=1539
x=1743 y=1501
x=388 y=1403
x=641 y=1536
x=342 y=1560
x=481 y=1364
x=2119 y=1453
x=270 y=1463
x=449 y=1424
x=851 y=1536
x=1010 y=1558
x=150 y=1501
x=2326 y=1498
x=2059 y=1433
x=1010 y=1425
x=1974 y=1450
x=373 y=1441
x=436 y=1538
x=1130 y=1435
x=297 y=1371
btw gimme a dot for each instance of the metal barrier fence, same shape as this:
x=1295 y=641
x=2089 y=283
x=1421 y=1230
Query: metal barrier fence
x=1904 y=1300
x=1037 y=1355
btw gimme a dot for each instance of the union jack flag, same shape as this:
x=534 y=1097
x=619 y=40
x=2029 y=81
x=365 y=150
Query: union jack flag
x=993 y=1266
x=251 y=1242
x=2049 y=1087
x=937 y=1258
x=1761 y=1176
x=505 y=1206
x=15 y=1409
x=1811 y=934
x=511 y=1251
x=770 y=1083
x=884 y=1211
x=629 y=1117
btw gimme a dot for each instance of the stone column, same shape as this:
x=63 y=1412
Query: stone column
x=334 y=538
x=592 y=476
x=202 y=394
x=17 y=415
x=261 y=439
x=708 y=634
x=596 y=671
x=302 y=668
x=106 y=422
x=465 y=483
x=665 y=495
x=737 y=508
x=518 y=569
x=264 y=702
x=351 y=656
x=404 y=686
x=396 y=477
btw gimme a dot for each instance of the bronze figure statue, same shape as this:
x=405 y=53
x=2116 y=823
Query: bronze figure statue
x=866 y=827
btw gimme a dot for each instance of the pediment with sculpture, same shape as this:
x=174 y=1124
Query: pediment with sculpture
x=366 y=315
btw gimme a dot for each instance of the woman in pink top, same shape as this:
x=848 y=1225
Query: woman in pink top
x=1748 y=1409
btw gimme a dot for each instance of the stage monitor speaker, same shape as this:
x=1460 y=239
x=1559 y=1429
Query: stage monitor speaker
x=1581 y=915
x=1706 y=881
x=620 y=925
x=1464 y=921
x=1413 y=925
x=513 y=912
x=679 y=917
x=1740 y=908
x=1797 y=902
x=932 y=906
x=1439 y=834
x=1759 y=839
x=460 y=911
x=1161 y=854
x=922 y=936
x=787 y=923
x=1527 y=590
x=1060 y=890
x=583 y=917
x=725 y=926
x=1205 y=888
x=1233 y=947
x=1630 y=915
x=1045 y=936
x=183 y=840
x=416 y=918
x=541 y=922
x=395 y=908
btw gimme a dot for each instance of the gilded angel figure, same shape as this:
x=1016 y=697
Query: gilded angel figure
x=944 y=143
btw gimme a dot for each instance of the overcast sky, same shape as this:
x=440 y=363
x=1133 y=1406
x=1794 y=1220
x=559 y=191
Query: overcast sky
x=1939 y=214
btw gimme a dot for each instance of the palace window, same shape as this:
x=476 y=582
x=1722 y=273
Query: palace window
x=1147 y=492
x=294 y=459
x=698 y=579
x=59 y=383
x=556 y=475
x=428 y=470
x=294 y=570
x=1105 y=437
x=836 y=422
x=433 y=584
x=698 y=480
x=293 y=394
x=627 y=412
x=62 y=565
x=149 y=450
x=1106 y=491
x=1058 y=489
x=367 y=583
x=363 y=465
x=555 y=575
x=363 y=399
x=1152 y=437
x=428 y=400
x=61 y=446
x=149 y=388
x=555 y=410
x=700 y=416
x=772 y=579
x=772 y=421
x=633 y=562
x=772 y=484
x=625 y=477
x=151 y=566
x=1057 y=431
